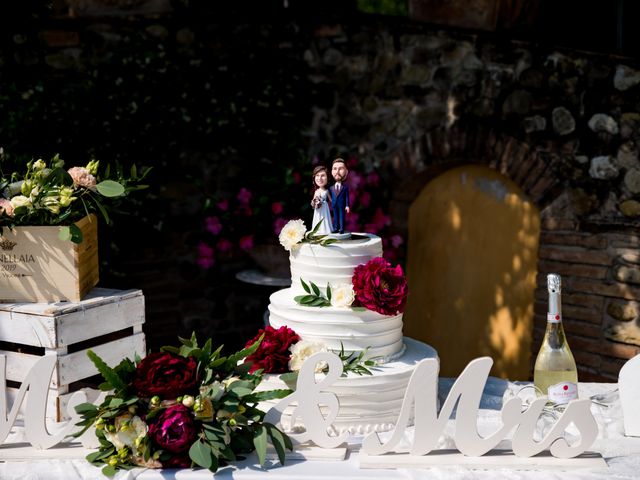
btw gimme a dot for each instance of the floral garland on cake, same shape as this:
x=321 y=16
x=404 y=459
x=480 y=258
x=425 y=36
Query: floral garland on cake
x=182 y=407
x=283 y=351
x=375 y=285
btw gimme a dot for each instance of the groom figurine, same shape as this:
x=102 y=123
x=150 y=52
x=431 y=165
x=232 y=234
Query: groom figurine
x=339 y=194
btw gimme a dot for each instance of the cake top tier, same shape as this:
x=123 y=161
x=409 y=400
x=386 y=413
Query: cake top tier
x=333 y=264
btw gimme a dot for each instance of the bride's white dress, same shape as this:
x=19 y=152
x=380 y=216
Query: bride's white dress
x=322 y=213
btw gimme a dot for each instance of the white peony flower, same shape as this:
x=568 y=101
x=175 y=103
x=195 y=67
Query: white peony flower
x=21 y=201
x=292 y=233
x=126 y=433
x=342 y=295
x=304 y=349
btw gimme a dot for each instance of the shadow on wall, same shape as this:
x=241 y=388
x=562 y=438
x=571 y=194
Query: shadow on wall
x=472 y=263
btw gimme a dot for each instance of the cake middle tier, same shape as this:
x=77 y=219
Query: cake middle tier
x=354 y=329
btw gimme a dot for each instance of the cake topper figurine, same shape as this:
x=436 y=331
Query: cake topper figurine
x=339 y=194
x=320 y=202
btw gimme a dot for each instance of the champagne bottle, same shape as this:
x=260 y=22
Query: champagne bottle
x=555 y=373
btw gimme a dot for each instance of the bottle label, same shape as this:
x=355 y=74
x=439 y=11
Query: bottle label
x=563 y=392
x=554 y=318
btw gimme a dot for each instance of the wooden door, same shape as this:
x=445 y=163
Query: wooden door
x=473 y=247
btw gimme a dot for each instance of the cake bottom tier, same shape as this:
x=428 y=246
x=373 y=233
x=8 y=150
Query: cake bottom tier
x=368 y=403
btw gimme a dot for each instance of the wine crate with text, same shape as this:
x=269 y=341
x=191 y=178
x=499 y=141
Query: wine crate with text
x=109 y=322
x=37 y=266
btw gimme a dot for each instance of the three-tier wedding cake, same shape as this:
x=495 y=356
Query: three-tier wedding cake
x=367 y=402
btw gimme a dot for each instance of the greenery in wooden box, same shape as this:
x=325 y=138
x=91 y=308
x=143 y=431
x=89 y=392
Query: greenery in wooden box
x=49 y=252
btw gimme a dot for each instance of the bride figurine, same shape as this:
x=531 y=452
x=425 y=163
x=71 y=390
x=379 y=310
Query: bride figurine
x=321 y=211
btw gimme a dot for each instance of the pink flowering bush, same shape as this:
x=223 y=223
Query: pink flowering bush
x=253 y=213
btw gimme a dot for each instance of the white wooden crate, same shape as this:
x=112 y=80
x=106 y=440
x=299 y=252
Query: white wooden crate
x=57 y=328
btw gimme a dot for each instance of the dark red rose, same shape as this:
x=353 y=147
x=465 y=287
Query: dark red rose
x=178 y=461
x=174 y=429
x=380 y=287
x=273 y=353
x=166 y=375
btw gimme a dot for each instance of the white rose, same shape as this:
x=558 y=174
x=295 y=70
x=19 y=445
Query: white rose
x=21 y=201
x=342 y=295
x=292 y=233
x=304 y=349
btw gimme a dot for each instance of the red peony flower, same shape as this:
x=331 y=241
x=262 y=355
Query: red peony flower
x=174 y=429
x=273 y=353
x=380 y=287
x=166 y=375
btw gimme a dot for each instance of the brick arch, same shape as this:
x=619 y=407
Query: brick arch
x=535 y=171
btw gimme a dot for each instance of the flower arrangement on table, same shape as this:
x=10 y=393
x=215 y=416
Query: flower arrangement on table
x=49 y=194
x=182 y=406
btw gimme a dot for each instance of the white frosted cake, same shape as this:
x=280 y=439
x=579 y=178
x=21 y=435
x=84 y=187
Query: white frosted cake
x=367 y=402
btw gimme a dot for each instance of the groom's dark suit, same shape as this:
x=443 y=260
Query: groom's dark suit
x=339 y=201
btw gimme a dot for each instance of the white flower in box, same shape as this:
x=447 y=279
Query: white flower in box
x=342 y=295
x=292 y=233
x=302 y=350
x=20 y=201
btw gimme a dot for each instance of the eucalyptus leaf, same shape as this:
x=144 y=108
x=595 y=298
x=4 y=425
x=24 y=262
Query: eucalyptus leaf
x=64 y=233
x=201 y=454
x=110 y=188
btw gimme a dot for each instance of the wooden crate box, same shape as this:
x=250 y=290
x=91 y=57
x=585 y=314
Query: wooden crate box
x=36 y=266
x=109 y=322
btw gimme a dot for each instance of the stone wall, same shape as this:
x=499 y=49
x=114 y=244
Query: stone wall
x=563 y=125
x=206 y=101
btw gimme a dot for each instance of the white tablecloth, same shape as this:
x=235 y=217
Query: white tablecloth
x=621 y=453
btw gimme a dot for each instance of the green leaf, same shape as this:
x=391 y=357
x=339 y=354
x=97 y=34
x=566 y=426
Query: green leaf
x=76 y=234
x=233 y=360
x=103 y=210
x=86 y=409
x=315 y=289
x=271 y=394
x=358 y=309
x=290 y=378
x=109 y=471
x=107 y=372
x=305 y=299
x=305 y=286
x=94 y=456
x=110 y=188
x=315 y=229
x=58 y=176
x=201 y=454
x=328 y=292
x=64 y=234
x=278 y=441
x=260 y=442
